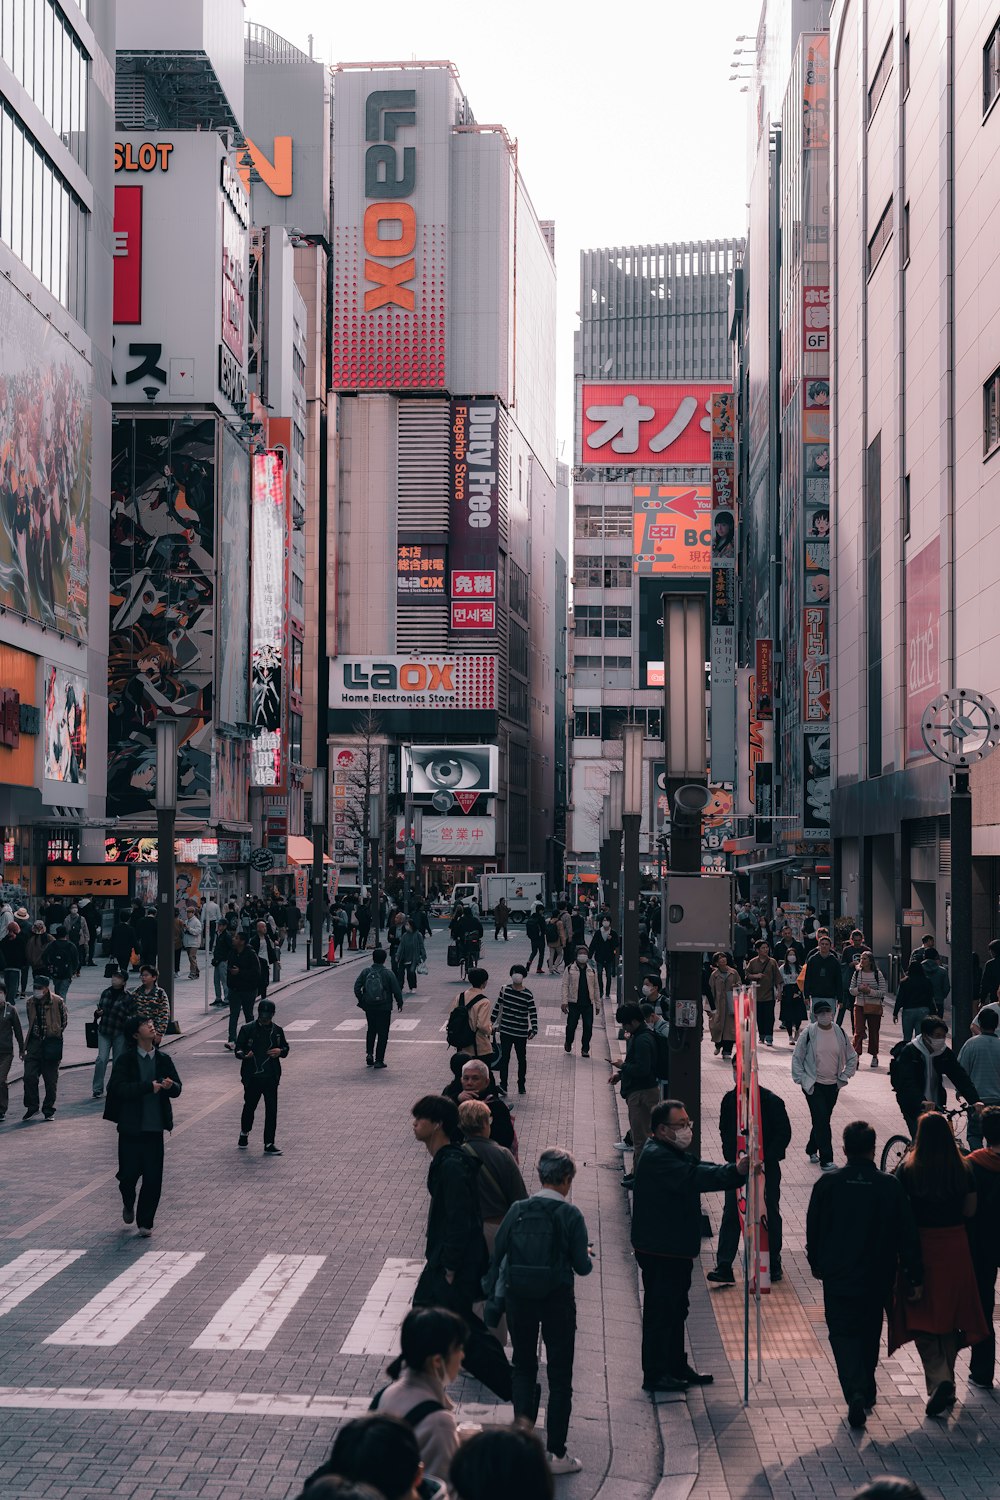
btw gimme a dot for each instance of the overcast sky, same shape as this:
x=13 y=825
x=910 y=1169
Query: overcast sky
x=628 y=128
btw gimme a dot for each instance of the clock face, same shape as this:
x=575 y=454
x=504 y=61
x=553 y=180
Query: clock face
x=961 y=727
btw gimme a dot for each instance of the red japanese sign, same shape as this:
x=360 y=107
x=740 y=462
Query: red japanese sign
x=473 y=583
x=473 y=616
x=815 y=665
x=765 y=679
x=816 y=319
x=647 y=424
x=127 y=301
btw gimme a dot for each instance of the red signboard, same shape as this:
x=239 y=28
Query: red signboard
x=473 y=616
x=670 y=529
x=923 y=640
x=765 y=679
x=815 y=664
x=647 y=424
x=816 y=319
x=473 y=583
x=128 y=255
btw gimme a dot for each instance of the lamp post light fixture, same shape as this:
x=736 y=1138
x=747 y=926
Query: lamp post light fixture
x=165 y=801
x=631 y=783
x=319 y=849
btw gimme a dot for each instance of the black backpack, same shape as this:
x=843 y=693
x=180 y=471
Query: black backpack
x=535 y=1253
x=459 y=1032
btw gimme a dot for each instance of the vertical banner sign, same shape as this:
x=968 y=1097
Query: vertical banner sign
x=474 y=533
x=923 y=638
x=749 y=1142
x=127 y=297
x=722 y=610
x=267 y=620
x=765 y=680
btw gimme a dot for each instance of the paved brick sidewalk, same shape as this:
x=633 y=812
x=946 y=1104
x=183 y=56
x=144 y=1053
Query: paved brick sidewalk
x=168 y=1408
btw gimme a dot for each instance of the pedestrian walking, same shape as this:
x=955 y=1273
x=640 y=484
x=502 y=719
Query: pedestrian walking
x=534 y=930
x=293 y=918
x=221 y=950
x=501 y=916
x=432 y=1343
x=722 y=982
x=410 y=953
x=861 y=1237
x=63 y=959
x=937 y=977
x=868 y=989
x=581 y=1000
x=914 y=998
x=666 y=1238
x=260 y=1047
x=11 y=1036
x=455 y=1250
x=499 y=1181
x=541 y=1246
x=984 y=1241
x=515 y=1021
x=823 y=1063
x=793 y=1007
x=989 y=979
x=113 y=1010
x=123 y=942
x=765 y=974
x=364 y=924
x=211 y=917
x=776 y=1137
x=43 y=1047
x=554 y=944
x=147 y=930
x=375 y=989
x=477 y=1084
x=143 y=1082
x=178 y=941
x=339 y=919
x=918 y=1070
x=947 y=1314
x=35 y=948
x=243 y=981
x=638 y=1077
x=980 y=1057
x=13 y=957
x=149 y=1001
x=263 y=945
x=824 y=978
x=469 y=1028
x=192 y=941
x=605 y=946
x=77 y=931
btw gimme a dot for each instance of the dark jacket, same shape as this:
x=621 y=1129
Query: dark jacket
x=243 y=971
x=915 y=992
x=454 y=1227
x=390 y=989
x=147 y=939
x=62 y=958
x=937 y=977
x=604 y=949
x=124 y=941
x=12 y=946
x=252 y=1046
x=666 y=1198
x=859 y=1227
x=570 y=1234
x=907 y=1074
x=223 y=945
x=984 y=1226
x=824 y=976
x=775 y=1126
x=639 y=1070
x=989 y=980
x=125 y=1091
x=502 y=1129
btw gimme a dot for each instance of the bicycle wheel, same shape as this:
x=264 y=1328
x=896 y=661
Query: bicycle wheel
x=893 y=1152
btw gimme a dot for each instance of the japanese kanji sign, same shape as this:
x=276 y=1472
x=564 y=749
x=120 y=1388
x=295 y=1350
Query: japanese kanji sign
x=456 y=837
x=420 y=571
x=671 y=529
x=816 y=319
x=647 y=424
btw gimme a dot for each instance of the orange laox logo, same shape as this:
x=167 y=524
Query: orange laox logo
x=388 y=181
x=411 y=677
x=276 y=175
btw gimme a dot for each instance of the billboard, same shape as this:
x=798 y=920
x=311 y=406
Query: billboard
x=474 y=529
x=414 y=682
x=454 y=838
x=267 y=618
x=816 y=780
x=450 y=768
x=234 y=580
x=665 y=423
x=127 y=297
x=65 y=727
x=420 y=571
x=816 y=92
x=45 y=458
x=162 y=603
x=235 y=223
x=815 y=664
x=390 y=227
x=671 y=528
x=923 y=641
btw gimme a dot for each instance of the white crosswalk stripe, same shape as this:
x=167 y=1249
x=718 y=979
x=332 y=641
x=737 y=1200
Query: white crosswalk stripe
x=251 y=1317
x=406 y=1025
x=290 y=1026
x=358 y=1025
x=123 y=1303
x=26 y=1273
x=375 y=1330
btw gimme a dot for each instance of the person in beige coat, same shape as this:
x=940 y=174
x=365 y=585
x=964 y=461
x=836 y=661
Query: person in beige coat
x=722 y=1021
x=581 y=999
x=480 y=1009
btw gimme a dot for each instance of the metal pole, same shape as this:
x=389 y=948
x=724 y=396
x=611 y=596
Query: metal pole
x=961 y=907
x=318 y=839
x=630 y=909
x=409 y=862
x=166 y=819
x=686 y=998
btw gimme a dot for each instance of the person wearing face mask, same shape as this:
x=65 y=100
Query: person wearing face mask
x=581 y=1000
x=638 y=1076
x=604 y=950
x=515 y=1020
x=666 y=1238
x=918 y=1070
x=823 y=1063
x=47 y=1020
x=432 y=1342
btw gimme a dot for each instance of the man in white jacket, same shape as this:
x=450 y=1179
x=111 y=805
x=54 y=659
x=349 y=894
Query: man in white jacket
x=581 y=999
x=822 y=1064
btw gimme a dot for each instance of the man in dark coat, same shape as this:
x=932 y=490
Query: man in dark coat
x=918 y=1070
x=776 y=1135
x=666 y=1238
x=243 y=979
x=143 y=1082
x=260 y=1048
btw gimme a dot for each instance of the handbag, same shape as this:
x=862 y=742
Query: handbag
x=422 y=968
x=454 y=956
x=109 y=969
x=90 y=1031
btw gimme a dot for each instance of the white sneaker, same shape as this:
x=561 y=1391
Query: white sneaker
x=564 y=1465
x=829 y=1166
x=622 y=1146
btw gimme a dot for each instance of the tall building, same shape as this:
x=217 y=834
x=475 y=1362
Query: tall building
x=56 y=145
x=915 y=449
x=652 y=348
x=441 y=626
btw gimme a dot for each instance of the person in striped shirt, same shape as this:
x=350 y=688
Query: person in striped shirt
x=516 y=1020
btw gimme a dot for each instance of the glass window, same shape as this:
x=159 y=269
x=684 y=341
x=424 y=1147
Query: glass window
x=880 y=79
x=618 y=620
x=588 y=620
x=991 y=413
x=587 y=724
x=991 y=67
x=41 y=220
x=16 y=184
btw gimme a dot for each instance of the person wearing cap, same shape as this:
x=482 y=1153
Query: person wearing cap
x=13 y=958
x=35 y=949
x=113 y=1010
x=47 y=1020
x=824 y=1062
x=260 y=1047
x=143 y=1082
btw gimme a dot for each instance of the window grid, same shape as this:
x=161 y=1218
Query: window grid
x=46 y=57
x=881 y=78
x=991 y=68
x=881 y=237
x=991 y=414
x=41 y=219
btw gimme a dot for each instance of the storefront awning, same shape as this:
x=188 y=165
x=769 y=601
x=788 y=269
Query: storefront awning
x=765 y=864
x=300 y=851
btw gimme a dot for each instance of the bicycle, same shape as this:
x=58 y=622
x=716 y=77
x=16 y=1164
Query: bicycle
x=897 y=1146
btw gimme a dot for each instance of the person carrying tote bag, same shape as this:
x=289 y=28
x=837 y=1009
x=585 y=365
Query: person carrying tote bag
x=868 y=988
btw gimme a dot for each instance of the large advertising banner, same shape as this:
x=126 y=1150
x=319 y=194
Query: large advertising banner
x=450 y=768
x=162 y=601
x=390 y=228
x=665 y=423
x=453 y=837
x=722 y=606
x=816 y=784
x=45 y=458
x=267 y=618
x=416 y=682
x=671 y=529
x=923 y=641
x=420 y=571
x=65 y=744
x=234 y=581
x=474 y=532
x=816 y=93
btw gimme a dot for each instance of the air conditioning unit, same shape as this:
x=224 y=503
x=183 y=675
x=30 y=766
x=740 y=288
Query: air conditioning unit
x=699 y=913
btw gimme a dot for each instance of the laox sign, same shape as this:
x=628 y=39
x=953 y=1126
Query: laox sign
x=387 y=111
x=412 y=677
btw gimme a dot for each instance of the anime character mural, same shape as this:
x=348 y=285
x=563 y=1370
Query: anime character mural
x=161 y=648
x=65 y=750
x=45 y=469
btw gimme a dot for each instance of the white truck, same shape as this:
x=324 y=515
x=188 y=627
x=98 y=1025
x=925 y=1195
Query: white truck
x=522 y=893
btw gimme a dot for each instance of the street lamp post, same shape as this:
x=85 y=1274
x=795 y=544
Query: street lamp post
x=616 y=793
x=167 y=736
x=318 y=843
x=409 y=857
x=632 y=737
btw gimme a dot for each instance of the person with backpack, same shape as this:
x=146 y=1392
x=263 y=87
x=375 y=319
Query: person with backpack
x=638 y=1077
x=918 y=1069
x=540 y=1247
x=260 y=1047
x=469 y=1028
x=581 y=1000
x=776 y=1137
x=432 y=1343
x=516 y=1021
x=43 y=1045
x=500 y=1182
x=534 y=929
x=63 y=960
x=554 y=943
x=375 y=989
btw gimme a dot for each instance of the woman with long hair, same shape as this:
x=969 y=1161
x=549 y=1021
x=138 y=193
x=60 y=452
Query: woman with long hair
x=793 y=1007
x=868 y=988
x=945 y=1313
x=432 y=1341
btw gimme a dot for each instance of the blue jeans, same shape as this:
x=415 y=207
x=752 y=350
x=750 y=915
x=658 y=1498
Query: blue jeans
x=221 y=987
x=911 y=1017
x=107 y=1047
x=61 y=986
